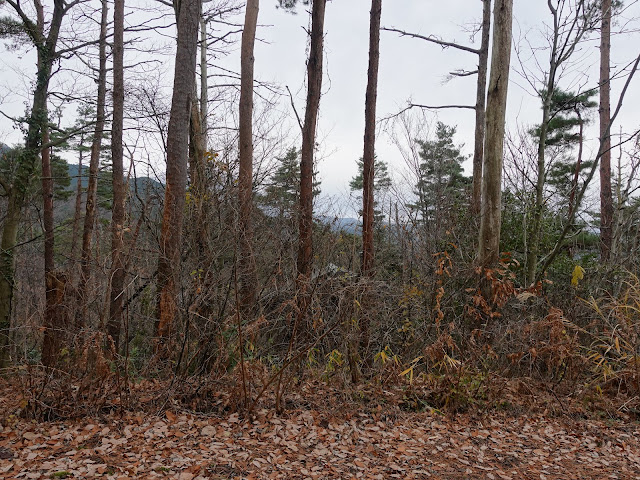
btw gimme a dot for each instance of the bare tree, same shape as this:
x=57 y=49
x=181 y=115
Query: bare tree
x=45 y=43
x=177 y=158
x=247 y=267
x=368 y=173
x=94 y=164
x=606 y=194
x=490 y=220
x=481 y=93
x=570 y=24
x=314 y=86
x=119 y=193
x=481 y=99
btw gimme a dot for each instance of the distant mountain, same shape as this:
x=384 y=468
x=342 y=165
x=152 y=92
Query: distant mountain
x=342 y=224
x=143 y=184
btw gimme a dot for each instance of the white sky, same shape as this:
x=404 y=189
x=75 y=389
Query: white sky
x=409 y=68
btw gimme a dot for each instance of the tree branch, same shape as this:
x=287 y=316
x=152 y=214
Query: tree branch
x=427 y=107
x=444 y=44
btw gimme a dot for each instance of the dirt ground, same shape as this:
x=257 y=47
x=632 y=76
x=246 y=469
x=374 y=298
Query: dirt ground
x=308 y=444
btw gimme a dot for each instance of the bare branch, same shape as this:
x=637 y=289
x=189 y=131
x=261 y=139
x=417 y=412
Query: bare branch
x=432 y=39
x=293 y=105
x=427 y=107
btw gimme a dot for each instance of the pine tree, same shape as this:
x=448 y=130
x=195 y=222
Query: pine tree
x=381 y=184
x=282 y=190
x=442 y=183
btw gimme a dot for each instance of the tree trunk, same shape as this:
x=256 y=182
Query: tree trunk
x=77 y=210
x=9 y=239
x=204 y=90
x=314 y=87
x=55 y=318
x=94 y=164
x=117 y=275
x=176 y=176
x=481 y=100
x=536 y=224
x=46 y=55
x=246 y=267
x=490 y=220
x=368 y=173
x=606 y=196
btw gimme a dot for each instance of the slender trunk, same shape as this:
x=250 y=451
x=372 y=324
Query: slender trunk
x=536 y=222
x=314 y=85
x=9 y=239
x=204 y=90
x=368 y=174
x=77 y=210
x=606 y=198
x=247 y=268
x=368 y=177
x=46 y=52
x=176 y=176
x=576 y=172
x=481 y=100
x=117 y=275
x=94 y=164
x=54 y=324
x=490 y=221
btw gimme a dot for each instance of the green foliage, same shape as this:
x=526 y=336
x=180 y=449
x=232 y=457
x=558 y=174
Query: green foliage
x=10 y=159
x=567 y=111
x=441 y=183
x=381 y=184
x=282 y=191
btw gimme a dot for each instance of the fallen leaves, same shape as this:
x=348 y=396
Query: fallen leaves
x=308 y=444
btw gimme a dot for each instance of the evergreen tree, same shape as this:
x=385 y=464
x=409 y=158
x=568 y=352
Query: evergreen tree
x=442 y=183
x=282 y=191
x=381 y=184
x=569 y=114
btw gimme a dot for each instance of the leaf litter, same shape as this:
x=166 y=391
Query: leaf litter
x=311 y=442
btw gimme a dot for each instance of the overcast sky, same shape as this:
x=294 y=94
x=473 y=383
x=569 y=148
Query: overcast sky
x=409 y=68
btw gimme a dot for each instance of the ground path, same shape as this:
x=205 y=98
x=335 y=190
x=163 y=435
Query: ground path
x=307 y=444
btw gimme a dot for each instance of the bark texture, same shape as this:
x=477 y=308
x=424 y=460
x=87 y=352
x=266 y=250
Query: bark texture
x=176 y=176
x=490 y=221
x=314 y=87
x=119 y=193
x=94 y=164
x=368 y=172
x=481 y=101
x=606 y=194
x=246 y=267
x=45 y=45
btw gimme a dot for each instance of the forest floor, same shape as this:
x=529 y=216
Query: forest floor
x=319 y=437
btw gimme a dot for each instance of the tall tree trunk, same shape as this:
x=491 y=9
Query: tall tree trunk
x=38 y=117
x=55 y=319
x=204 y=81
x=117 y=274
x=247 y=268
x=606 y=195
x=490 y=220
x=176 y=177
x=368 y=173
x=536 y=223
x=9 y=239
x=481 y=100
x=77 y=210
x=314 y=87
x=94 y=164
x=368 y=180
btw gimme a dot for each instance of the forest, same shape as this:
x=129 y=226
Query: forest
x=199 y=278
